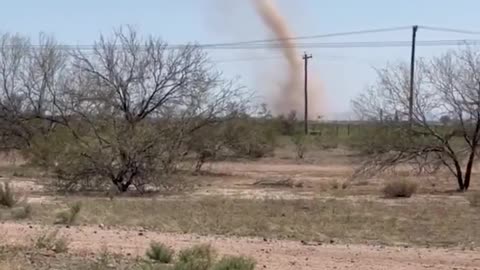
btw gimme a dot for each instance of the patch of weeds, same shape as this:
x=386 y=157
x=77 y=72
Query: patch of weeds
x=160 y=253
x=399 y=189
x=235 y=263
x=201 y=257
x=7 y=195
x=51 y=241
x=70 y=215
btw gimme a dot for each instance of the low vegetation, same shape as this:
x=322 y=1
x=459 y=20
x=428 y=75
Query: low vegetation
x=350 y=221
x=235 y=263
x=399 y=188
x=200 y=257
x=8 y=198
x=194 y=258
x=69 y=215
x=160 y=253
x=52 y=242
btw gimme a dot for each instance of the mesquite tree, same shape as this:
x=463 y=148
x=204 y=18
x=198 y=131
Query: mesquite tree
x=446 y=86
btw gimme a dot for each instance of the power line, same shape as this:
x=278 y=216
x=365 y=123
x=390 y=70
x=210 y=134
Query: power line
x=359 y=44
x=450 y=30
x=263 y=41
x=338 y=34
x=309 y=45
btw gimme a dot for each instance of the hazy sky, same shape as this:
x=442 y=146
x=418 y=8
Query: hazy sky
x=344 y=72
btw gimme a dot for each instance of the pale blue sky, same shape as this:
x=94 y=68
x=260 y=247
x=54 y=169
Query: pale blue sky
x=344 y=72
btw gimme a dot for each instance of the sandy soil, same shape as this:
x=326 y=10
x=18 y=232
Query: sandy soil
x=281 y=255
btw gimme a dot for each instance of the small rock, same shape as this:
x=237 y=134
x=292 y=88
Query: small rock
x=95 y=232
x=31 y=227
x=68 y=226
x=265 y=239
x=332 y=241
x=101 y=226
x=140 y=234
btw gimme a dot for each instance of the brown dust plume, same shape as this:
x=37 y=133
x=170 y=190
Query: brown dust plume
x=291 y=96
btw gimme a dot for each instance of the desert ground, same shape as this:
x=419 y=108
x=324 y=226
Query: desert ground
x=283 y=212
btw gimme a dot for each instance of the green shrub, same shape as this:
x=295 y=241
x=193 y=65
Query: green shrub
x=200 y=257
x=235 y=263
x=70 y=215
x=7 y=195
x=399 y=189
x=159 y=252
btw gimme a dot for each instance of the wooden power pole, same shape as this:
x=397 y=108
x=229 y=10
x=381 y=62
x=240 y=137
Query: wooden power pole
x=412 y=75
x=305 y=59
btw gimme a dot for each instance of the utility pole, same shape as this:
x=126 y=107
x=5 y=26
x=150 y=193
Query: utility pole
x=412 y=75
x=305 y=59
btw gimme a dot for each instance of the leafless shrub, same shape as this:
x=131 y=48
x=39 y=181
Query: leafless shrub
x=446 y=85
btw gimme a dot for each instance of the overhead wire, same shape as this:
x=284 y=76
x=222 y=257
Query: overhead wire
x=338 y=34
x=277 y=44
x=262 y=41
x=450 y=30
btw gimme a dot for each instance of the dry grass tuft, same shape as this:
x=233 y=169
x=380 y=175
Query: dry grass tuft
x=8 y=197
x=201 y=257
x=235 y=263
x=70 y=215
x=51 y=241
x=159 y=252
x=399 y=189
